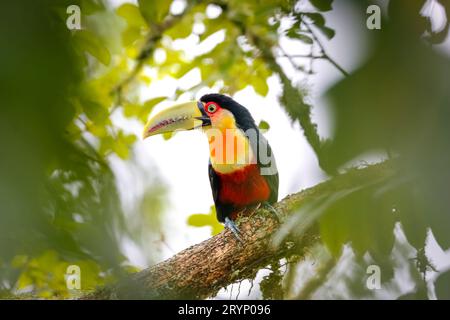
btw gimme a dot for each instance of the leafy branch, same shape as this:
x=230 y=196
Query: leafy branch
x=154 y=35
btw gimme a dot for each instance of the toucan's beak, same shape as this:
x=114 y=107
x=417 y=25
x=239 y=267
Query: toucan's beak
x=184 y=116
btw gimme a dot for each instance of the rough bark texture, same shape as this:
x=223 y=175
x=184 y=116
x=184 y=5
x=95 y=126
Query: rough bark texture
x=201 y=270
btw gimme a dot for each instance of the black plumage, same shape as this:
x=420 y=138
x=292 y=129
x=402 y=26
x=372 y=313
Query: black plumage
x=244 y=121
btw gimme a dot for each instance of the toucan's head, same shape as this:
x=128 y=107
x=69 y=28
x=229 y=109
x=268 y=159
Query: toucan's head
x=212 y=110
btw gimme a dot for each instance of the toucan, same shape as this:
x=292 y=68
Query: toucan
x=242 y=168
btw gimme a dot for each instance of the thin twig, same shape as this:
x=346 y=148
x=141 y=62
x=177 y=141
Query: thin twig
x=290 y=59
x=306 y=56
x=322 y=49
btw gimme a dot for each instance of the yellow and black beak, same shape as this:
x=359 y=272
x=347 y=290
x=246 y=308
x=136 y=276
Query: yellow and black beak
x=184 y=116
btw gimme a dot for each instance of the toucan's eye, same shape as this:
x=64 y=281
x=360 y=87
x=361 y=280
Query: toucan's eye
x=211 y=108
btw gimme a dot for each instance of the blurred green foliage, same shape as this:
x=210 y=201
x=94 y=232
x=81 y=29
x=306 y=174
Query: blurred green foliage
x=404 y=114
x=395 y=105
x=398 y=102
x=58 y=195
x=206 y=220
x=61 y=88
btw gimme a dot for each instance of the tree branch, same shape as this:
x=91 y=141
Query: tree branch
x=200 y=271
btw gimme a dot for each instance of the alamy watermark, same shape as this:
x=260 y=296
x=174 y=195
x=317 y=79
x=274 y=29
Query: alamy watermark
x=373 y=281
x=73 y=277
x=373 y=22
x=73 y=21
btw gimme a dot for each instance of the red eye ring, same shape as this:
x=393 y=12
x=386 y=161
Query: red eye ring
x=211 y=107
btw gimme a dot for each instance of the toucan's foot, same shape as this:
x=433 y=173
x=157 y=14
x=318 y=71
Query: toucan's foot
x=275 y=213
x=232 y=226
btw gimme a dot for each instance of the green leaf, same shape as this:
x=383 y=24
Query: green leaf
x=89 y=7
x=411 y=210
x=167 y=135
x=205 y=220
x=214 y=25
x=294 y=33
x=442 y=286
x=131 y=14
x=99 y=131
x=439 y=223
x=319 y=21
x=153 y=11
x=131 y=110
x=148 y=106
x=182 y=29
x=130 y=35
x=327 y=32
x=122 y=144
x=198 y=220
x=260 y=85
x=334 y=237
x=183 y=69
x=106 y=145
x=364 y=219
x=87 y=41
x=322 y=5
x=317 y=18
x=141 y=111
x=95 y=111
x=263 y=125
x=304 y=38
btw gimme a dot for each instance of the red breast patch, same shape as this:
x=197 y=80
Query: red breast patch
x=243 y=187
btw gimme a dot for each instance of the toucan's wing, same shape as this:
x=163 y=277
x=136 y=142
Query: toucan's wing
x=272 y=178
x=215 y=183
x=222 y=210
x=272 y=181
x=261 y=147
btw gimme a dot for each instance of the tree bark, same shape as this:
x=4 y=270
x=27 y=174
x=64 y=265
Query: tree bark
x=200 y=271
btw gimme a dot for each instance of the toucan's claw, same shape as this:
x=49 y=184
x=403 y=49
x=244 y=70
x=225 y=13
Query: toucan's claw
x=233 y=228
x=275 y=213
